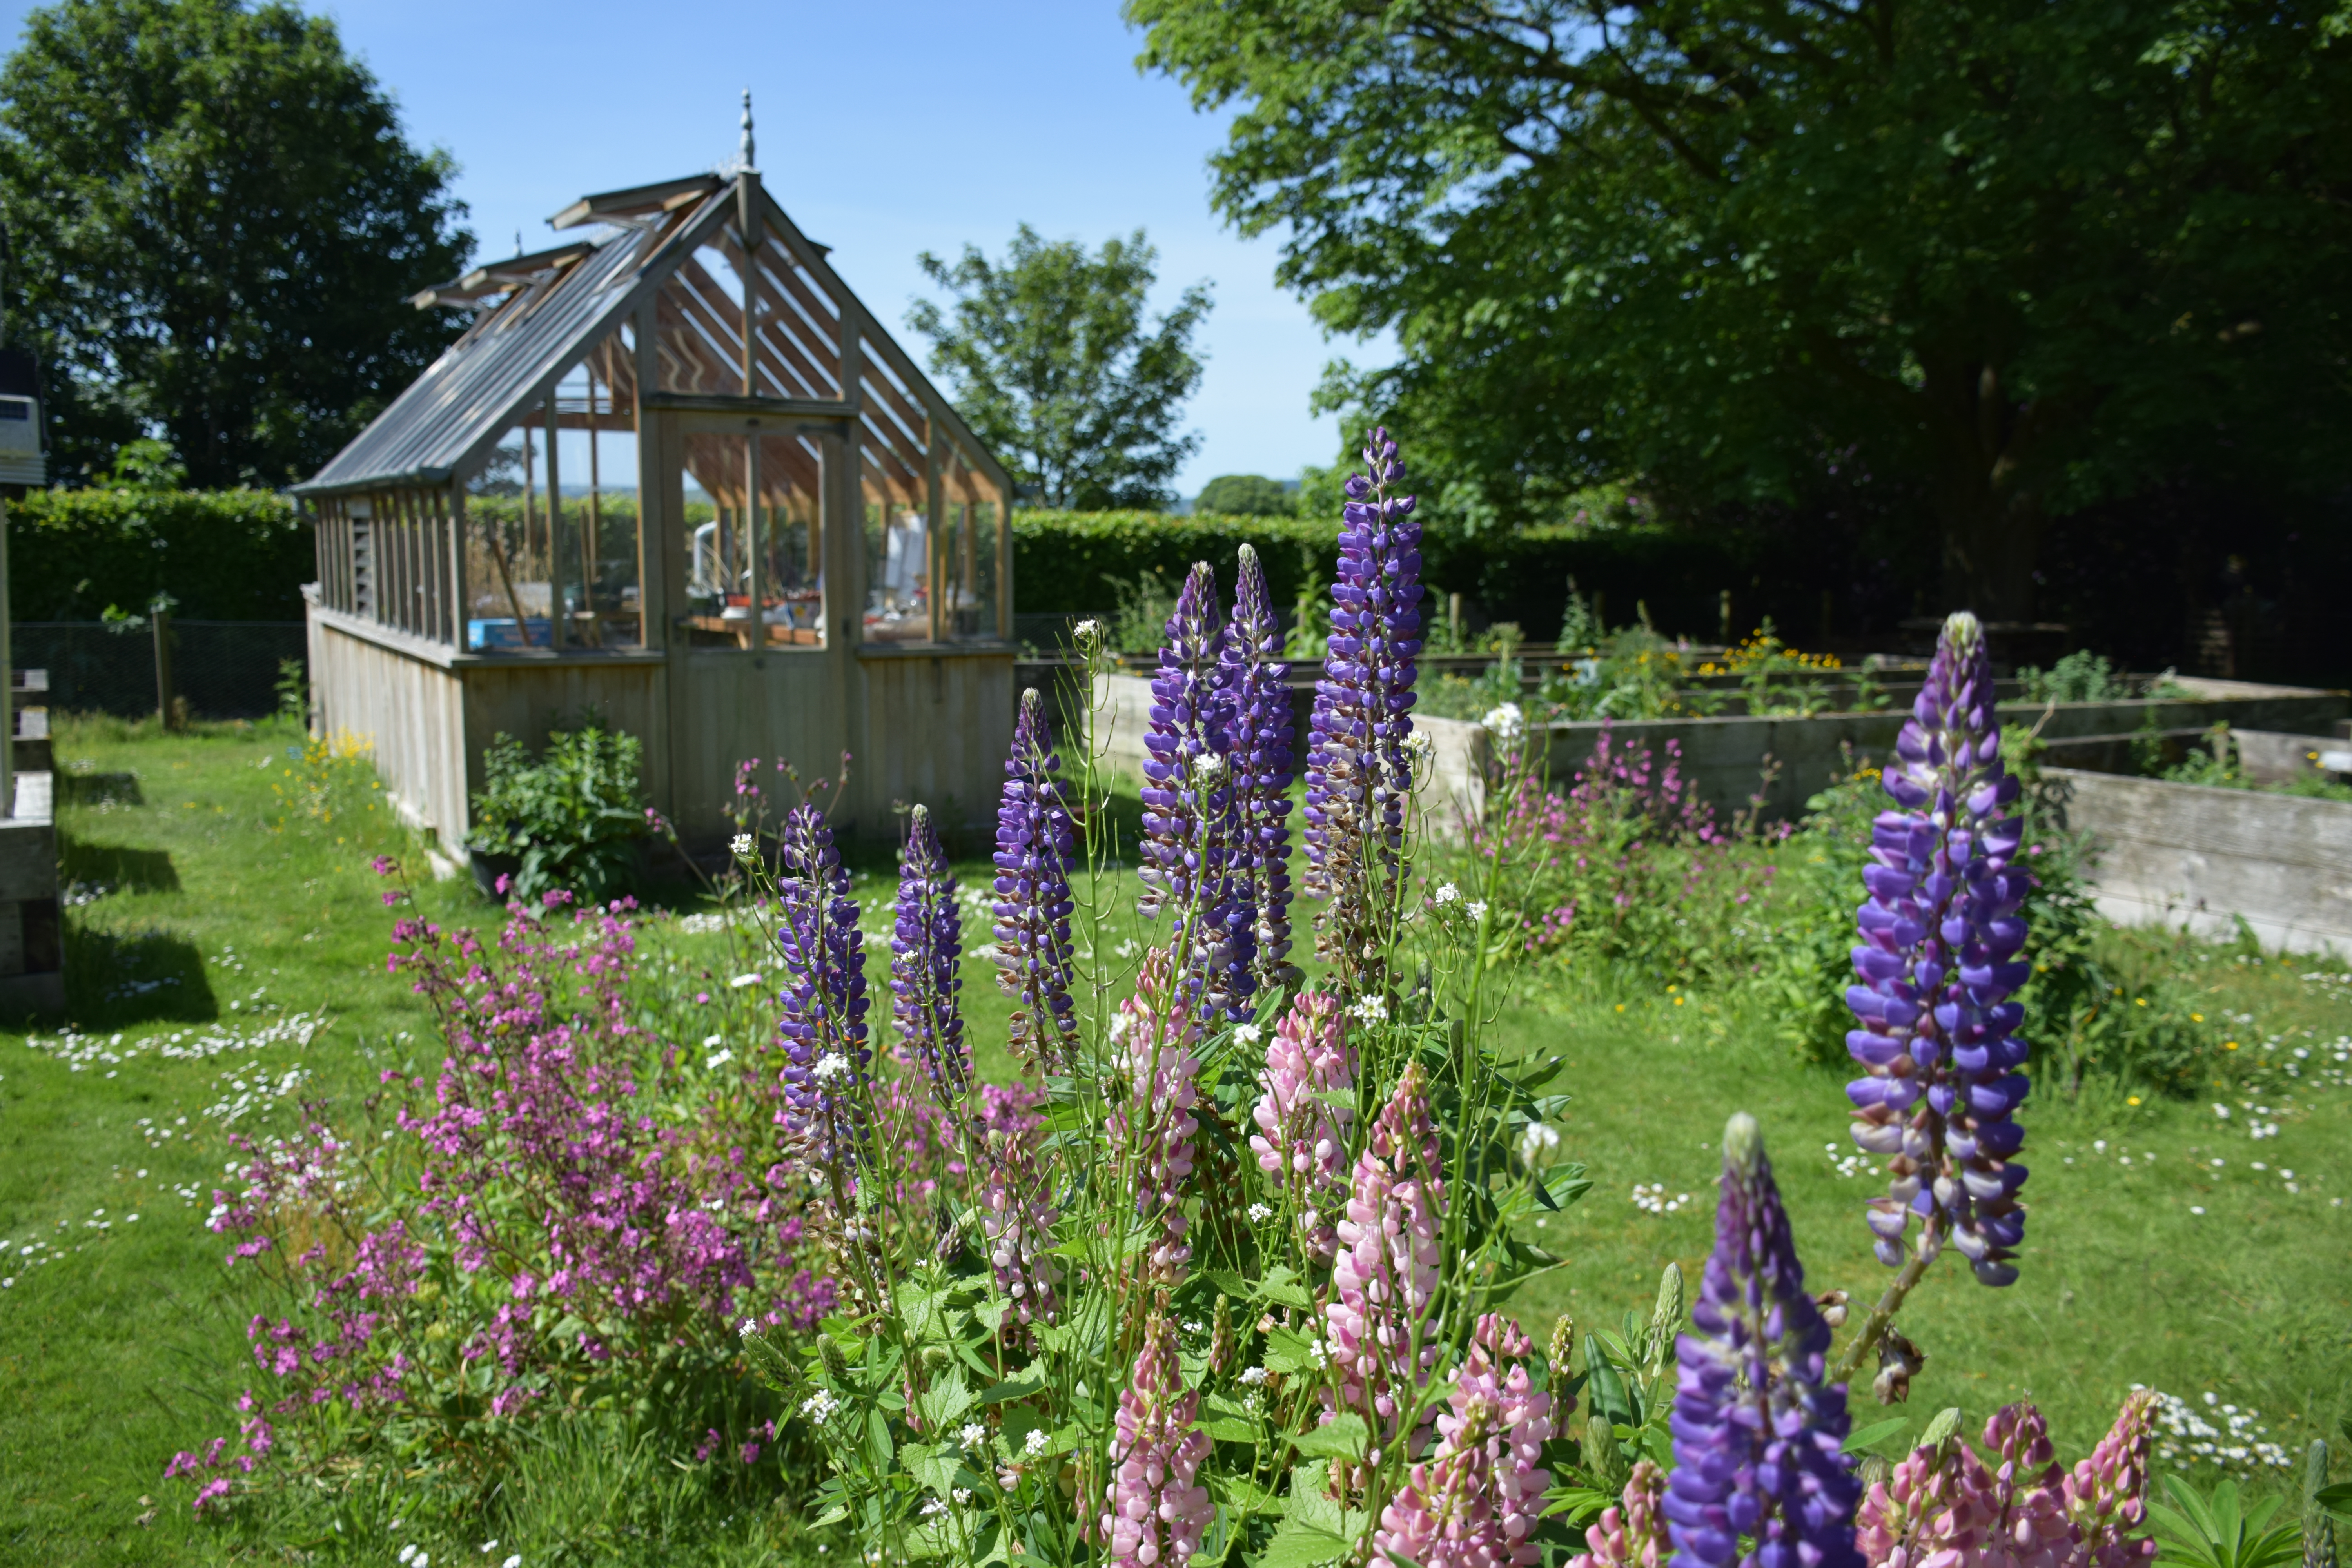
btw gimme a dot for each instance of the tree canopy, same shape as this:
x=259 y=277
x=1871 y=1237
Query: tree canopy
x=215 y=223
x=1245 y=495
x=2031 y=255
x=1050 y=360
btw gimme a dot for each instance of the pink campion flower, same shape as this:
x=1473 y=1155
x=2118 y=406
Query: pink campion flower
x=1156 y=1511
x=1385 y=1277
x=2106 y=1494
x=1301 y=1139
x=1633 y=1534
x=1153 y=1127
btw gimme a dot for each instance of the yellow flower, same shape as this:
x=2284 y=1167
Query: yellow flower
x=2133 y=1100
x=1621 y=1006
x=2196 y=1017
x=2229 y=1045
x=2140 y=1001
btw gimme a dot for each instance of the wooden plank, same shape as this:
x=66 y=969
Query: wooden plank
x=461 y=598
x=767 y=407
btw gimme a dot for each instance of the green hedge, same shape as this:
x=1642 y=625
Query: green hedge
x=226 y=555
x=1064 y=563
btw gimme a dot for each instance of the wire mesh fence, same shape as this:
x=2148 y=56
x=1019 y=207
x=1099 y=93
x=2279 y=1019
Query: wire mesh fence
x=223 y=670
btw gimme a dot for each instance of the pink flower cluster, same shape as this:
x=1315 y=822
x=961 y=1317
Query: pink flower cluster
x=1946 y=1507
x=1302 y=1137
x=1156 y=1509
x=537 y=1186
x=1016 y=1204
x=1476 y=1501
x=1634 y=1534
x=1153 y=1128
x=1385 y=1278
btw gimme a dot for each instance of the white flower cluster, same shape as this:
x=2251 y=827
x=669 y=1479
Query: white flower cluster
x=1248 y=1034
x=1446 y=893
x=1506 y=722
x=1371 y=1010
x=829 y=1066
x=1419 y=748
x=973 y=1434
x=1536 y=1141
x=1253 y=1376
x=742 y=845
x=1088 y=632
x=1259 y=1214
x=1208 y=765
x=1854 y=1164
x=1319 y=1352
x=2185 y=1438
x=744 y=981
x=412 y=1558
x=1653 y=1199
x=820 y=1406
x=1035 y=1444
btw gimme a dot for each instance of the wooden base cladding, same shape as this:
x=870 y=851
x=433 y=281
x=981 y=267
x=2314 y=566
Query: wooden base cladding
x=923 y=727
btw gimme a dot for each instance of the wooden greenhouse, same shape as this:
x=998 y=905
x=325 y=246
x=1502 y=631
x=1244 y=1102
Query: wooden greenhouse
x=673 y=476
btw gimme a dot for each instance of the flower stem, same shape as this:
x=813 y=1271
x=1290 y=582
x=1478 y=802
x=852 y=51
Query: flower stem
x=1873 y=1327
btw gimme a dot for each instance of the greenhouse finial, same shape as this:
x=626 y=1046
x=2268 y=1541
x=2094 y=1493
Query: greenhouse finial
x=749 y=162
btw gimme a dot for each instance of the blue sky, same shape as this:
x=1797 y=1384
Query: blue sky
x=884 y=131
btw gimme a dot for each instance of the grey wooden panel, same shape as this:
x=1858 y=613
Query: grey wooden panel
x=2283 y=862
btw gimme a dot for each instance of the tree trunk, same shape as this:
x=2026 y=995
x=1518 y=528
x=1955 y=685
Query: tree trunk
x=1987 y=502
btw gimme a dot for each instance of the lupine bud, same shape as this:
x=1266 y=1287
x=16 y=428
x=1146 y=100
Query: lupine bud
x=1035 y=844
x=1157 y=1512
x=1192 y=822
x=1358 y=775
x=1633 y=1534
x=1221 y=1336
x=1016 y=1217
x=823 y=1025
x=1258 y=747
x=1153 y=1128
x=1562 y=1346
x=1941 y=932
x=1302 y=1137
x=1384 y=1279
x=2106 y=1494
x=926 y=961
x=1757 y=1430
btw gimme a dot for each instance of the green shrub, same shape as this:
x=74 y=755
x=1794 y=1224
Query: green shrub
x=222 y=555
x=1245 y=495
x=572 y=819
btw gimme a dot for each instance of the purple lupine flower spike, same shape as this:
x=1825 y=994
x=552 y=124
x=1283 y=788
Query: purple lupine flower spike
x=1035 y=844
x=824 y=1026
x=927 y=962
x=1258 y=748
x=1938 y=966
x=1757 y=1430
x=1359 y=771
x=1191 y=825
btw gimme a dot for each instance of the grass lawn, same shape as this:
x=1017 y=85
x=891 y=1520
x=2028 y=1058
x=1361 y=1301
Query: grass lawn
x=228 y=964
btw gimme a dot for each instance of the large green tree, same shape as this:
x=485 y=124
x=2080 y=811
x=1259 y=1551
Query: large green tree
x=216 y=221
x=2027 y=254
x=1051 y=361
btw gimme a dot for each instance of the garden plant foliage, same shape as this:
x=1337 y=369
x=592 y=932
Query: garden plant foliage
x=1228 y=1272
x=572 y=820
x=225 y=555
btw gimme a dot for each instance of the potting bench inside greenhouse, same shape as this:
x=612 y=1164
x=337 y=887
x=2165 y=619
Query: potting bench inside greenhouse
x=675 y=477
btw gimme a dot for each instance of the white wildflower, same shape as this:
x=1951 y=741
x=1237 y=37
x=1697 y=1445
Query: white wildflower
x=1418 y=747
x=408 y=1552
x=1446 y=893
x=1208 y=765
x=1253 y=1376
x=963 y=1496
x=717 y=1059
x=741 y=846
x=973 y=1434
x=1087 y=631
x=1371 y=1010
x=751 y=1327
x=1475 y=908
x=1248 y=1034
x=1259 y=1214
x=831 y=1065
x=1506 y=722
x=1035 y=1444
x=742 y=981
